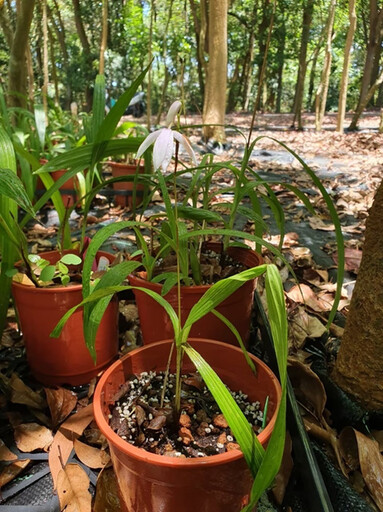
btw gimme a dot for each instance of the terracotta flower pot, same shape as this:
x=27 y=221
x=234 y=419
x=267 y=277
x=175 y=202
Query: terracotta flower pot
x=156 y=324
x=67 y=190
x=63 y=360
x=152 y=483
x=125 y=189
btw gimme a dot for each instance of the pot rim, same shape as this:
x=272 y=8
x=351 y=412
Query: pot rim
x=194 y=287
x=161 y=460
x=56 y=289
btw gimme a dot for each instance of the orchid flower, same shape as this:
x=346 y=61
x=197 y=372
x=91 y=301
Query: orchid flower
x=163 y=141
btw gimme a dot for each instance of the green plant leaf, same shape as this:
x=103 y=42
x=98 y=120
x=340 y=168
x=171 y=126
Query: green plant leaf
x=47 y=273
x=98 y=106
x=41 y=124
x=198 y=214
x=8 y=212
x=71 y=259
x=251 y=448
x=12 y=187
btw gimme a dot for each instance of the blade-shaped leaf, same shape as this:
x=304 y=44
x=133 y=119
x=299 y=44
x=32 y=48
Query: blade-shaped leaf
x=12 y=187
x=242 y=430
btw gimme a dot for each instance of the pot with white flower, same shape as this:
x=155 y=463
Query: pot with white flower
x=202 y=262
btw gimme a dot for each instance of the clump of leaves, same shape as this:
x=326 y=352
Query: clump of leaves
x=46 y=272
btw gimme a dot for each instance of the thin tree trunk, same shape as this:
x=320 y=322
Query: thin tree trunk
x=149 y=88
x=53 y=66
x=280 y=60
x=321 y=96
x=5 y=25
x=263 y=70
x=306 y=24
x=375 y=25
x=234 y=87
x=346 y=67
x=59 y=29
x=314 y=59
x=44 y=90
x=166 y=71
x=215 y=89
x=365 y=101
x=85 y=48
x=16 y=74
x=199 y=52
x=247 y=74
x=104 y=36
x=31 y=78
x=359 y=365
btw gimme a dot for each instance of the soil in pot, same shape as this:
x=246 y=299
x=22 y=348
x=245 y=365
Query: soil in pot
x=149 y=482
x=63 y=360
x=146 y=419
x=156 y=324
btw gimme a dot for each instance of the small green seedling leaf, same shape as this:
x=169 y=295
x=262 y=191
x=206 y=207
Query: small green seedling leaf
x=47 y=273
x=63 y=269
x=71 y=259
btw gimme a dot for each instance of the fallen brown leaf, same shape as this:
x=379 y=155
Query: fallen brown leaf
x=62 y=445
x=73 y=489
x=107 y=499
x=11 y=471
x=92 y=457
x=307 y=387
x=61 y=402
x=303 y=294
x=352 y=259
x=5 y=453
x=358 y=448
x=32 y=436
x=302 y=326
x=22 y=394
x=283 y=475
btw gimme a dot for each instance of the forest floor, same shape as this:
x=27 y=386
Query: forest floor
x=350 y=167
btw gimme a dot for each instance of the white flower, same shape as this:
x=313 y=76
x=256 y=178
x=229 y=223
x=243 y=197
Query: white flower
x=163 y=141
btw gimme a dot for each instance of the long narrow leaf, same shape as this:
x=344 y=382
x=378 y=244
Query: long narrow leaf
x=8 y=210
x=251 y=448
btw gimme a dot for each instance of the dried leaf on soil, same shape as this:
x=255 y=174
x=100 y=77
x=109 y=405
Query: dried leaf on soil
x=92 y=457
x=356 y=447
x=61 y=402
x=73 y=489
x=32 y=436
x=303 y=294
x=5 y=453
x=302 y=326
x=283 y=476
x=62 y=445
x=11 y=471
x=352 y=259
x=107 y=499
x=307 y=387
x=22 y=394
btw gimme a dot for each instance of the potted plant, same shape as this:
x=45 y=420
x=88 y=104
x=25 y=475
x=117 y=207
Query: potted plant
x=45 y=290
x=228 y=480
x=201 y=260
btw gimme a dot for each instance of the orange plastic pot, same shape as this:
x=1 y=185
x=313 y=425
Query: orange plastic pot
x=151 y=483
x=125 y=195
x=156 y=324
x=67 y=190
x=63 y=360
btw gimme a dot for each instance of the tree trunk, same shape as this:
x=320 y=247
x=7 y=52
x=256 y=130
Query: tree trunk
x=346 y=67
x=234 y=87
x=17 y=86
x=280 y=56
x=364 y=103
x=321 y=96
x=309 y=104
x=149 y=88
x=85 y=48
x=104 y=36
x=302 y=65
x=359 y=366
x=53 y=66
x=199 y=51
x=5 y=25
x=247 y=72
x=215 y=88
x=59 y=29
x=376 y=21
x=44 y=90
